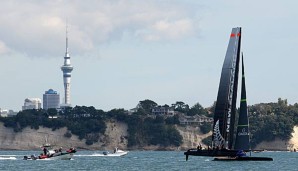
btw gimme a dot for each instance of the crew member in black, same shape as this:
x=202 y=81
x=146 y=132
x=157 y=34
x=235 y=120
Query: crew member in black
x=45 y=151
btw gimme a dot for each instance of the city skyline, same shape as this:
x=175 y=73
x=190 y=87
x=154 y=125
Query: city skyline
x=127 y=51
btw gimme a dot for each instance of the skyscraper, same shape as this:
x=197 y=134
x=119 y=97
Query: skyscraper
x=66 y=69
x=51 y=99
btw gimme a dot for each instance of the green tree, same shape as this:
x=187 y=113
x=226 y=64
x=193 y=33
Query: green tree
x=197 y=109
x=180 y=107
x=147 y=105
x=52 y=112
x=207 y=140
x=172 y=120
x=206 y=127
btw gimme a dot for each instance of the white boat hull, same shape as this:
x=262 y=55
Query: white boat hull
x=117 y=154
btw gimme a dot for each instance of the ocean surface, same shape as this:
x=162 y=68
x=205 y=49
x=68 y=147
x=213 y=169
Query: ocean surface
x=146 y=160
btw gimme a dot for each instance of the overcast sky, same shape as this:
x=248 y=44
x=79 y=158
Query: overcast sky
x=124 y=51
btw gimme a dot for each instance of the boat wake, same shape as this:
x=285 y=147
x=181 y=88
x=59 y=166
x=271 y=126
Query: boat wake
x=8 y=158
x=96 y=155
x=83 y=155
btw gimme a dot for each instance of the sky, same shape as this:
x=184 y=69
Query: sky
x=125 y=51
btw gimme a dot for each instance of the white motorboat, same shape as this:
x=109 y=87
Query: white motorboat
x=116 y=152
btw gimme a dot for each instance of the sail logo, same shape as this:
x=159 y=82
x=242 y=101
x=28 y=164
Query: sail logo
x=218 y=139
x=231 y=89
x=243 y=132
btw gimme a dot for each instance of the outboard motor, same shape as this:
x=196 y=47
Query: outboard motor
x=33 y=157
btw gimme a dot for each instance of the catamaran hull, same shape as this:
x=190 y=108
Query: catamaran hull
x=211 y=153
x=243 y=159
x=224 y=155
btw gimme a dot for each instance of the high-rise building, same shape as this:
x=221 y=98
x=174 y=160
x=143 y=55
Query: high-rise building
x=66 y=69
x=51 y=99
x=32 y=103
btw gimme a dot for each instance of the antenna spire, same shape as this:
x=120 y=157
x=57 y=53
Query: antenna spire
x=66 y=37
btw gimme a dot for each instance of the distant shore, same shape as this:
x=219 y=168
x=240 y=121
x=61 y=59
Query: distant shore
x=31 y=139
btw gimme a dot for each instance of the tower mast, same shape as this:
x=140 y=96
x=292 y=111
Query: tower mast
x=66 y=69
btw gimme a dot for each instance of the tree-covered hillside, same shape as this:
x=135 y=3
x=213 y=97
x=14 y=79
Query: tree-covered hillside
x=88 y=122
x=272 y=120
x=267 y=122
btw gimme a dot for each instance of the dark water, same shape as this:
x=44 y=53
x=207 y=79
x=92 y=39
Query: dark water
x=147 y=160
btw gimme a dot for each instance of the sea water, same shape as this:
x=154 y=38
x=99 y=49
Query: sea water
x=146 y=160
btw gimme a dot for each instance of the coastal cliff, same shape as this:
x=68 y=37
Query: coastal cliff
x=192 y=136
x=281 y=145
x=115 y=135
x=31 y=139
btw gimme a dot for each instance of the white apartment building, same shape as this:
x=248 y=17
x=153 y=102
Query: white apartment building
x=32 y=103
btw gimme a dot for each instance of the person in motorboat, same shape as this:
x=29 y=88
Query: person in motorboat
x=115 y=149
x=71 y=150
x=45 y=151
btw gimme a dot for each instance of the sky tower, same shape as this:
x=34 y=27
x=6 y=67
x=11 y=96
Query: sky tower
x=66 y=69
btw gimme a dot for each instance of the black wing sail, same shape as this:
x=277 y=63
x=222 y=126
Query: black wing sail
x=242 y=135
x=225 y=109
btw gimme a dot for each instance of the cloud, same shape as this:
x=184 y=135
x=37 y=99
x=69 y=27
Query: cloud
x=173 y=30
x=37 y=28
x=3 y=48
